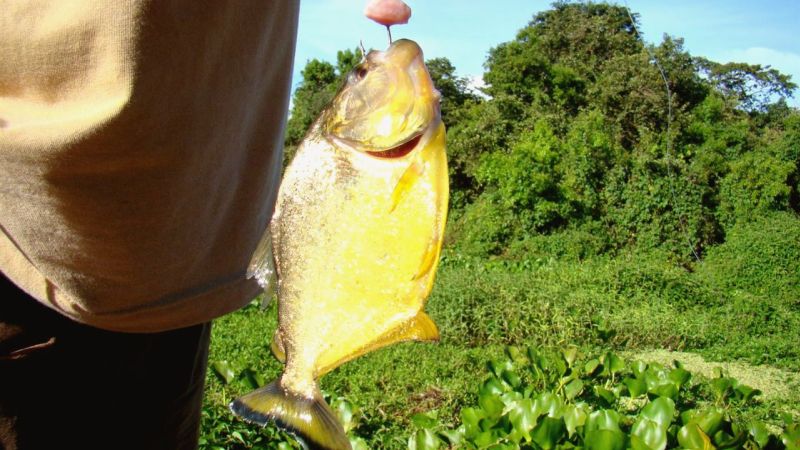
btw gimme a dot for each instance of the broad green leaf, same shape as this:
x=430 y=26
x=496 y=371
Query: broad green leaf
x=492 y=386
x=745 y=393
x=511 y=377
x=491 y=405
x=498 y=366
x=347 y=414
x=570 y=355
x=358 y=443
x=638 y=368
x=680 y=376
x=721 y=387
x=659 y=411
x=604 y=419
x=471 y=418
x=573 y=388
x=574 y=416
x=251 y=378
x=591 y=366
x=791 y=438
x=548 y=432
x=453 y=437
x=484 y=439
x=605 y=440
x=224 y=371
x=424 y=440
x=605 y=394
x=523 y=418
x=613 y=363
x=648 y=434
x=691 y=436
x=709 y=420
x=548 y=404
x=424 y=420
x=636 y=386
x=668 y=389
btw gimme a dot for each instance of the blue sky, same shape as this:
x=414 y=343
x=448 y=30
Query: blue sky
x=756 y=32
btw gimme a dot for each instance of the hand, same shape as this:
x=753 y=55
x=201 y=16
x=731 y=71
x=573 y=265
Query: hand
x=388 y=12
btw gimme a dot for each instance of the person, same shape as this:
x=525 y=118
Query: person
x=140 y=150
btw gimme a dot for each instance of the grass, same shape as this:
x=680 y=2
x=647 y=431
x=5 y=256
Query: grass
x=740 y=306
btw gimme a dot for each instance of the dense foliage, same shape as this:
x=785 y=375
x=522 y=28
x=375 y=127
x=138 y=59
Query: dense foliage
x=608 y=195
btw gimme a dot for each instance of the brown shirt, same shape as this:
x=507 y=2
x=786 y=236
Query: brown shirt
x=140 y=147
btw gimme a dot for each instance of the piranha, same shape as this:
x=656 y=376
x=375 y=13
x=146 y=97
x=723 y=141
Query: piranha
x=356 y=233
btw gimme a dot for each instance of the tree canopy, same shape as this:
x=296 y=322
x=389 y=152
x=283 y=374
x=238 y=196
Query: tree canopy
x=587 y=130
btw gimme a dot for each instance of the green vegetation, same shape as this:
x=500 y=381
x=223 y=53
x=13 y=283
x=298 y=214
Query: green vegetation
x=581 y=219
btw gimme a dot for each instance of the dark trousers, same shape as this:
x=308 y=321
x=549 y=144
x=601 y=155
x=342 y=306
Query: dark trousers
x=64 y=385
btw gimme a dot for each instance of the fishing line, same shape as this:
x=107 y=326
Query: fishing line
x=668 y=151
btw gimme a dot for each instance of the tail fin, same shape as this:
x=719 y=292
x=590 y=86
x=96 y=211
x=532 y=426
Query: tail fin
x=311 y=419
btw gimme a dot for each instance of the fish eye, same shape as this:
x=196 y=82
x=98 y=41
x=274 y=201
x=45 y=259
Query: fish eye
x=361 y=72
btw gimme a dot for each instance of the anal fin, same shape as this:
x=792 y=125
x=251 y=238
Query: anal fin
x=419 y=328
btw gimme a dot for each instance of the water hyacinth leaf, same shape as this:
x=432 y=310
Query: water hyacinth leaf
x=745 y=393
x=680 y=376
x=509 y=398
x=224 y=371
x=491 y=405
x=604 y=419
x=424 y=420
x=709 y=420
x=636 y=386
x=613 y=363
x=471 y=418
x=605 y=394
x=791 y=437
x=668 y=389
x=574 y=416
x=511 y=377
x=453 y=437
x=591 y=366
x=721 y=387
x=424 y=440
x=492 y=386
x=548 y=404
x=638 y=368
x=498 y=366
x=484 y=439
x=523 y=419
x=573 y=388
x=659 y=411
x=346 y=412
x=648 y=434
x=692 y=437
x=605 y=440
x=570 y=354
x=548 y=432
x=252 y=379
x=358 y=443
x=723 y=440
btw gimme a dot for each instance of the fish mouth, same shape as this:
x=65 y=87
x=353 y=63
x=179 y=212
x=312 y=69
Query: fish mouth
x=398 y=151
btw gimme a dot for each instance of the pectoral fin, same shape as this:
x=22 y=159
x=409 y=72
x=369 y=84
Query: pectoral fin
x=262 y=267
x=412 y=173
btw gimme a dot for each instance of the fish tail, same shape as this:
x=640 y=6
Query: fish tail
x=310 y=419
